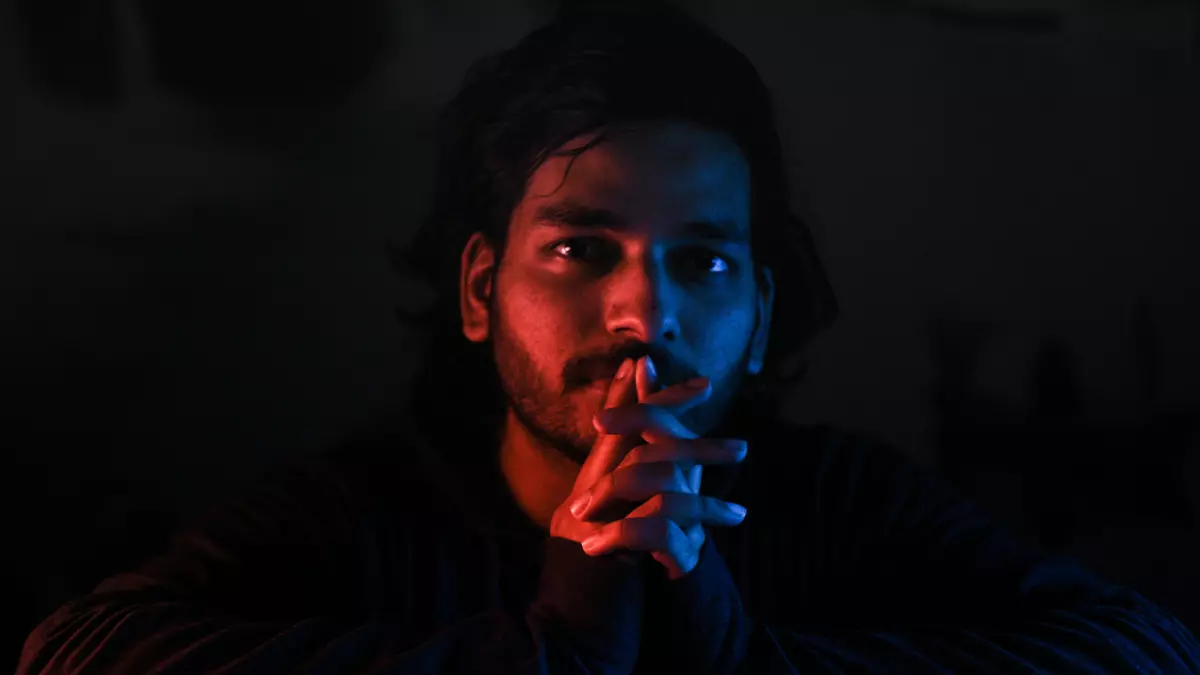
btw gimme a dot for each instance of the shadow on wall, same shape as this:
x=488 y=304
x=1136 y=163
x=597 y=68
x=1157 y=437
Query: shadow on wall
x=84 y=53
x=153 y=347
x=79 y=419
x=1119 y=495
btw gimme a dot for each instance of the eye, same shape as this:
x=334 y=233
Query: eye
x=702 y=262
x=715 y=264
x=581 y=249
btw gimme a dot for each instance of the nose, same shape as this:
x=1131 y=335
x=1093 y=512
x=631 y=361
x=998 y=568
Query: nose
x=641 y=303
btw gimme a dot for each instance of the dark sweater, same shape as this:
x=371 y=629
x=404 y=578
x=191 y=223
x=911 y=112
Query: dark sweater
x=391 y=555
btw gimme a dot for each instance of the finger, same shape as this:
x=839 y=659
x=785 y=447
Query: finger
x=647 y=378
x=682 y=395
x=622 y=391
x=689 y=453
x=634 y=484
x=674 y=401
x=689 y=510
x=608 y=450
x=653 y=423
x=661 y=537
x=694 y=476
x=695 y=535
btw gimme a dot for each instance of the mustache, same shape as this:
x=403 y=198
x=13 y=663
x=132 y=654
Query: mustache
x=587 y=368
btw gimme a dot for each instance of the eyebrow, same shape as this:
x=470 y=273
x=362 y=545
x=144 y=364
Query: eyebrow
x=569 y=214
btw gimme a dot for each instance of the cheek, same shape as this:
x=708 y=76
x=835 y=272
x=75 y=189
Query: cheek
x=544 y=320
x=720 y=337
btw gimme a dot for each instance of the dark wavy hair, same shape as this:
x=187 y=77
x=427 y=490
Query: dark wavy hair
x=587 y=71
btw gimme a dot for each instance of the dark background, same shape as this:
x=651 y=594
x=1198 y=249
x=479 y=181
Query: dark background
x=194 y=281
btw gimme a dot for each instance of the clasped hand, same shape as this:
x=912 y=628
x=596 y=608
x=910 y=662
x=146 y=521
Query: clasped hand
x=639 y=488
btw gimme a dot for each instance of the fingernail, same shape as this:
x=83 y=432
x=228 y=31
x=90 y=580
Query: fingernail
x=600 y=421
x=650 y=368
x=596 y=423
x=625 y=369
x=738 y=509
x=578 y=506
x=696 y=383
x=591 y=543
x=742 y=449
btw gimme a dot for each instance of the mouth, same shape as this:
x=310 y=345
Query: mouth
x=602 y=372
x=598 y=375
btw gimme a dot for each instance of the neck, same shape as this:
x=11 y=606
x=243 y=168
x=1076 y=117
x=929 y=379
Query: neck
x=539 y=477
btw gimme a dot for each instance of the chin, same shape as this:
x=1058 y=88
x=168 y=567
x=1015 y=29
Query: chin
x=584 y=430
x=579 y=446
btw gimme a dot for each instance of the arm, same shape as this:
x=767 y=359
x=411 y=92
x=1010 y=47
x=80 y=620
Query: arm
x=918 y=580
x=267 y=585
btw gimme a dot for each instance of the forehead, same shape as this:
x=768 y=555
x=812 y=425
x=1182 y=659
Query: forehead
x=652 y=175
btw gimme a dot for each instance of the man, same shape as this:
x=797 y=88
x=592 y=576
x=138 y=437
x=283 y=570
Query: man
x=592 y=481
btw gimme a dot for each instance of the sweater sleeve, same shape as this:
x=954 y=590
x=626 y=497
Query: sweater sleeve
x=917 y=580
x=262 y=585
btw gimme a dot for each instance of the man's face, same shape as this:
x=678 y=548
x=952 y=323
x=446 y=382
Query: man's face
x=641 y=247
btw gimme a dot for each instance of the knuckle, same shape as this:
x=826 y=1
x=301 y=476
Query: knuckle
x=657 y=414
x=614 y=533
x=665 y=530
x=669 y=472
x=715 y=449
x=633 y=482
x=674 y=449
x=625 y=481
x=656 y=452
x=665 y=420
x=658 y=504
x=605 y=486
x=637 y=455
x=711 y=507
x=674 y=538
x=678 y=505
x=623 y=530
x=677 y=480
x=641 y=413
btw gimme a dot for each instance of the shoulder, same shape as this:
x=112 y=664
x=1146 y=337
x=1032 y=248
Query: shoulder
x=822 y=452
x=395 y=466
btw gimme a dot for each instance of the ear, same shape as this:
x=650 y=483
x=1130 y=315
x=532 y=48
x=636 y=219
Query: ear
x=765 y=305
x=477 y=270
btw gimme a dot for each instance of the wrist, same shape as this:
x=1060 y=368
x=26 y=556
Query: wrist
x=595 y=604
x=703 y=611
